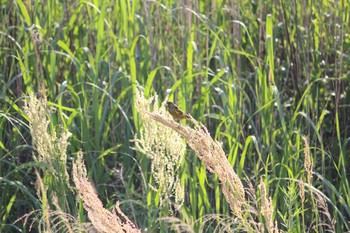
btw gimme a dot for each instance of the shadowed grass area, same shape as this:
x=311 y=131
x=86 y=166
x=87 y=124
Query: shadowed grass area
x=266 y=83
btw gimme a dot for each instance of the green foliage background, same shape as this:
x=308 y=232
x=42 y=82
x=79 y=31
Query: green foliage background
x=259 y=74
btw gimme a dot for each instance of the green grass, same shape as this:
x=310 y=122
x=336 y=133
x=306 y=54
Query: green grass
x=259 y=75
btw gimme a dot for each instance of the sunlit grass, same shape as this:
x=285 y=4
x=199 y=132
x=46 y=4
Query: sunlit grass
x=269 y=80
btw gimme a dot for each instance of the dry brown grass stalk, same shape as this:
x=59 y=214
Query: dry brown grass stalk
x=51 y=148
x=102 y=219
x=302 y=191
x=165 y=148
x=266 y=208
x=327 y=223
x=307 y=160
x=211 y=153
x=213 y=156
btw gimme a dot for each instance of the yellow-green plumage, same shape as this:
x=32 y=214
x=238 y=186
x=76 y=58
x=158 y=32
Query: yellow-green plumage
x=175 y=112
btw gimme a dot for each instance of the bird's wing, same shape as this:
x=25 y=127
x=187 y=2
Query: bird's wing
x=178 y=111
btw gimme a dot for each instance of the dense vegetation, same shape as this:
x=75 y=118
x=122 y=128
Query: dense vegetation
x=268 y=79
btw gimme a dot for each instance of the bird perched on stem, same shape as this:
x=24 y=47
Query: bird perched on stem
x=175 y=112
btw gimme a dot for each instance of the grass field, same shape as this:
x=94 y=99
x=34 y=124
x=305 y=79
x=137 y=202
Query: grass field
x=86 y=143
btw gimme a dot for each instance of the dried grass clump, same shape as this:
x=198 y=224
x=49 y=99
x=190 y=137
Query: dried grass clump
x=164 y=147
x=102 y=219
x=307 y=160
x=302 y=191
x=210 y=152
x=326 y=222
x=51 y=147
x=267 y=209
x=50 y=150
x=59 y=221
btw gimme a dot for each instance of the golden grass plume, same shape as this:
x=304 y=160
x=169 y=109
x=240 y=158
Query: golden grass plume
x=164 y=147
x=208 y=150
x=102 y=219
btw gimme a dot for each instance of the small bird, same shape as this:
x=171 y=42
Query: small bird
x=175 y=112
